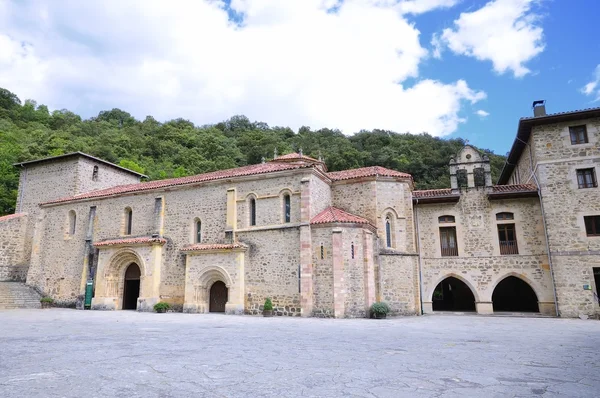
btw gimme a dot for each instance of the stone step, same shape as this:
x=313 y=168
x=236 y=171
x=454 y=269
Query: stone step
x=15 y=295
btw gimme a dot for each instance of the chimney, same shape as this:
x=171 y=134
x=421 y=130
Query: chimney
x=539 y=108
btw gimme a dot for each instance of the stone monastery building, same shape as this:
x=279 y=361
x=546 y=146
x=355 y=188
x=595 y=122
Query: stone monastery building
x=321 y=243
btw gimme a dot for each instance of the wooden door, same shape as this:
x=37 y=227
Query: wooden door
x=218 y=297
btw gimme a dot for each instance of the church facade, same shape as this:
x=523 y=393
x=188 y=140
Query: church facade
x=321 y=243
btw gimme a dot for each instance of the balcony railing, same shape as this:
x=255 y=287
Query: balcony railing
x=509 y=247
x=449 y=251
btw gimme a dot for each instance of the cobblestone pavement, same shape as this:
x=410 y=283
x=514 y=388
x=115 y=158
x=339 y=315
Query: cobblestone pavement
x=68 y=353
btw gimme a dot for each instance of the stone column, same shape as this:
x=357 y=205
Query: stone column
x=339 y=291
x=484 y=307
x=369 y=266
x=306 y=266
x=235 y=301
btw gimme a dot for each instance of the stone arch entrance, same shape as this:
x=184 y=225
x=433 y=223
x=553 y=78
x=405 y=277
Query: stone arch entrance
x=131 y=287
x=452 y=294
x=513 y=294
x=218 y=297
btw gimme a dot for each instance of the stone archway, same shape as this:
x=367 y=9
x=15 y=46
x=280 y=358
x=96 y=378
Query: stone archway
x=217 y=278
x=112 y=281
x=513 y=294
x=452 y=294
x=131 y=287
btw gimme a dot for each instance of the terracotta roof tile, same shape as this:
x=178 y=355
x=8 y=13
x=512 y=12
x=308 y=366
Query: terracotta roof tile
x=11 y=216
x=366 y=172
x=514 y=188
x=131 y=241
x=432 y=193
x=294 y=156
x=212 y=176
x=215 y=246
x=335 y=215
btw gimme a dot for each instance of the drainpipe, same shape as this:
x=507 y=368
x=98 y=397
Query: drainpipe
x=416 y=211
x=539 y=188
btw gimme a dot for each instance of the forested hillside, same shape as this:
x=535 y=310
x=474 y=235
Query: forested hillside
x=177 y=148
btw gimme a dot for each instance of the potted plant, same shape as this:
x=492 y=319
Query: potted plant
x=379 y=310
x=46 y=302
x=268 y=308
x=161 y=307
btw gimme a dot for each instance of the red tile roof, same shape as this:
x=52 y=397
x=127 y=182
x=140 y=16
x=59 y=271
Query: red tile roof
x=294 y=156
x=432 y=193
x=11 y=216
x=514 y=188
x=216 y=246
x=335 y=215
x=131 y=241
x=366 y=172
x=215 y=175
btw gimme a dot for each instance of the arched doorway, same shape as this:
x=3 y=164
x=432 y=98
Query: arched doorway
x=218 y=297
x=513 y=294
x=452 y=294
x=131 y=287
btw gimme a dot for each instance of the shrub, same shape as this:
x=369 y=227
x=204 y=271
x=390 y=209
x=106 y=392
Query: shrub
x=47 y=300
x=161 y=306
x=380 y=308
x=268 y=305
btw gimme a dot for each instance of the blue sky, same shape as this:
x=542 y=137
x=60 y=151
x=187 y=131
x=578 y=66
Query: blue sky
x=453 y=68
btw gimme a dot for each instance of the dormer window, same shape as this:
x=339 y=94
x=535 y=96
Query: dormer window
x=95 y=174
x=578 y=135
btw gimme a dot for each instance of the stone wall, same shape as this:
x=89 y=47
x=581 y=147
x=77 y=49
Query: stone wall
x=323 y=305
x=13 y=265
x=479 y=263
x=574 y=254
x=358 y=196
x=398 y=278
x=272 y=270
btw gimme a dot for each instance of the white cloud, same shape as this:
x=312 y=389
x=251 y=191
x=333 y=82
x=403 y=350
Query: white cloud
x=593 y=87
x=299 y=62
x=482 y=114
x=503 y=31
x=421 y=6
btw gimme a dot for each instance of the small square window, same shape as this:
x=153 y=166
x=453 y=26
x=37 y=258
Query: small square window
x=586 y=178
x=578 y=135
x=592 y=225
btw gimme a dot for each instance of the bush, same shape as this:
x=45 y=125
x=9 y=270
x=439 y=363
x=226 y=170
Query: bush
x=380 y=308
x=162 y=306
x=268 y=305
x=47 y=300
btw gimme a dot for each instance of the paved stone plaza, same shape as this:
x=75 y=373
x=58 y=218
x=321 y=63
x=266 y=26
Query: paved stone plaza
x=68 y=353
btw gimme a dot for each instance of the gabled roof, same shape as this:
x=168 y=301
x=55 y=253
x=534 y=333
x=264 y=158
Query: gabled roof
x=335 y=215
x=254 y=169
x=435 y=196
x=144 y=240
x=432 y=193
x=372 y=171
x=514 y=188
x=75 y=154
x=294 y=156
x=524 y=132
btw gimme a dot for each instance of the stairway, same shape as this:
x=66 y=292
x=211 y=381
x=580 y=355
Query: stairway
x=15 y=295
